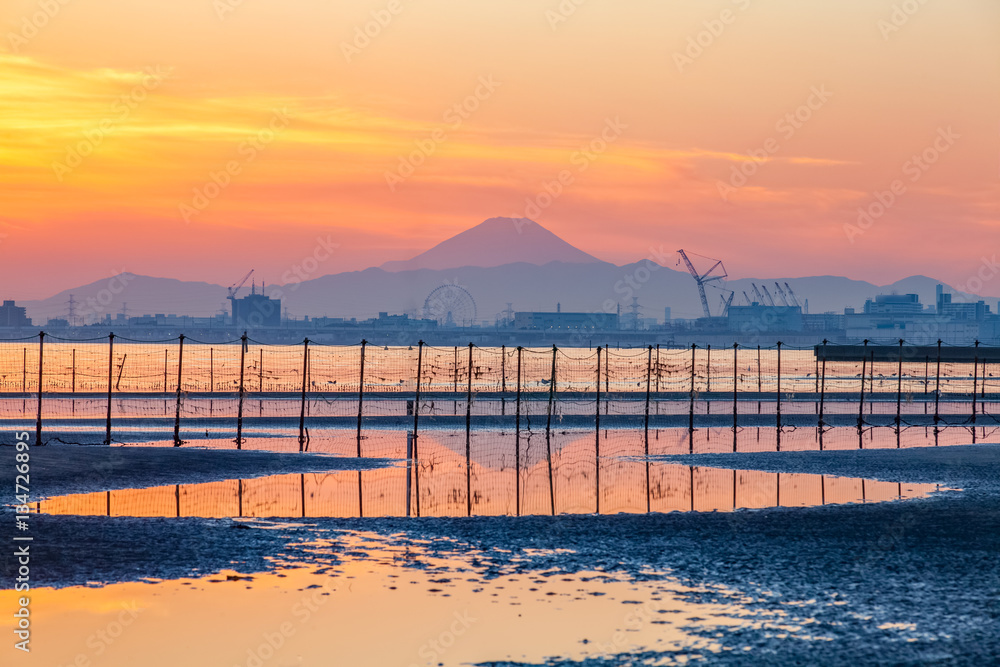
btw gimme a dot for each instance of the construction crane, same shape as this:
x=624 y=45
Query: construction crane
x=747 y=297
x=770 y=299
x=235 y=287
x=702 y=278
x=781 y=294
x=727 y=302
x=760 y=297
x=791 y=295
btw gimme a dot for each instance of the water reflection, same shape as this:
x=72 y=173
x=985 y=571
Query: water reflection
x=375 y=606
x=625 y=487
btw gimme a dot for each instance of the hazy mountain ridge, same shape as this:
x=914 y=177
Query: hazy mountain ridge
x=537 y=271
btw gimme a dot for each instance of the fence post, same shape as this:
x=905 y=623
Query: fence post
x=260 y=371
x=177 y=406
x=649 y=369
x=597 y=403
x=24 y=370
x=899 y=385
x=607 y=377
x=708 y=369
x=468 y=439
x=239 y=406
x=503 y=369
x=548 y=431
x=937 y=385
x=456 y=369
x=975 y=381
x=649 y=363
x=73 y=386
x=302 y=406
x=361 y=392
x=694 y=346
x=778 y=395
x=165 y=362
x=861 y=401
x=517 y=435
x=111 y=363
x=736 y=355
x=760 y=380
x=657 y=370
x=822 y=387
x=211 y=369
x=416 y=422
x=38 y=420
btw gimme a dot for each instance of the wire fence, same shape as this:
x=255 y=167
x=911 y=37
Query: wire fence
x=128 y=385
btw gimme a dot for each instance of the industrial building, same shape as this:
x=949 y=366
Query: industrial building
x=758 y=318
x=13 y=316
x=566 y=321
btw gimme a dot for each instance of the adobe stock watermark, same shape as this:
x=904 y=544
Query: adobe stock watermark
x=225 y=7
x=99 y=304
x=218 y=181
x=899 y=16
x=913 y=169
x=101 y=641
x=989 y=269
x=786 y=126
x=562 y=13
x=34 y=23
x=432 y=650
x=370 y=30
x=705 y=38
x=272 y=641
x=586 y=155
x=121 y=109
x=454 y=117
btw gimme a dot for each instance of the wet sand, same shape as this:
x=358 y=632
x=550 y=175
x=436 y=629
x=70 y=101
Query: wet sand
x=904 y=582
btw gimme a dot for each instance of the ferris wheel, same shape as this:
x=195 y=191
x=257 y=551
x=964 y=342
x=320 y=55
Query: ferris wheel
x=451 y=306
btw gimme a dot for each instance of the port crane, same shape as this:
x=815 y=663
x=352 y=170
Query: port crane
x=781 y=294
x=235 y=287
x=706 y=277
x=791 y=295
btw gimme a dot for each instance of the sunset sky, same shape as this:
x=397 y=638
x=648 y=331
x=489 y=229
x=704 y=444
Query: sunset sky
x=115 y=114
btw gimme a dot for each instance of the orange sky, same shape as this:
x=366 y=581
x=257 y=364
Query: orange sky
x=310 y=119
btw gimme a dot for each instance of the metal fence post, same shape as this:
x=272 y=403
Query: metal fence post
x=649 y=364
x=177 y=406
x=708 y=369
x=657 y=369
x=111 y=362
x=937 y=385
x=38 y=420
x=736 y=387
x=361 y=392
x=73 y=385
x=861 y=401
x=416 y=422
x=649 y=369
x=777 y=394
x=517 y=435
x=975 y=381
x=597 y=402
x=239 y=408
x=468 y=439
x=302 y=407
x=548 y=431
x=694 y=346
x=822 y=387
x=899 y=385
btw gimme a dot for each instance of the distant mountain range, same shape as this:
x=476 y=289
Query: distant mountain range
x=499 y=261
